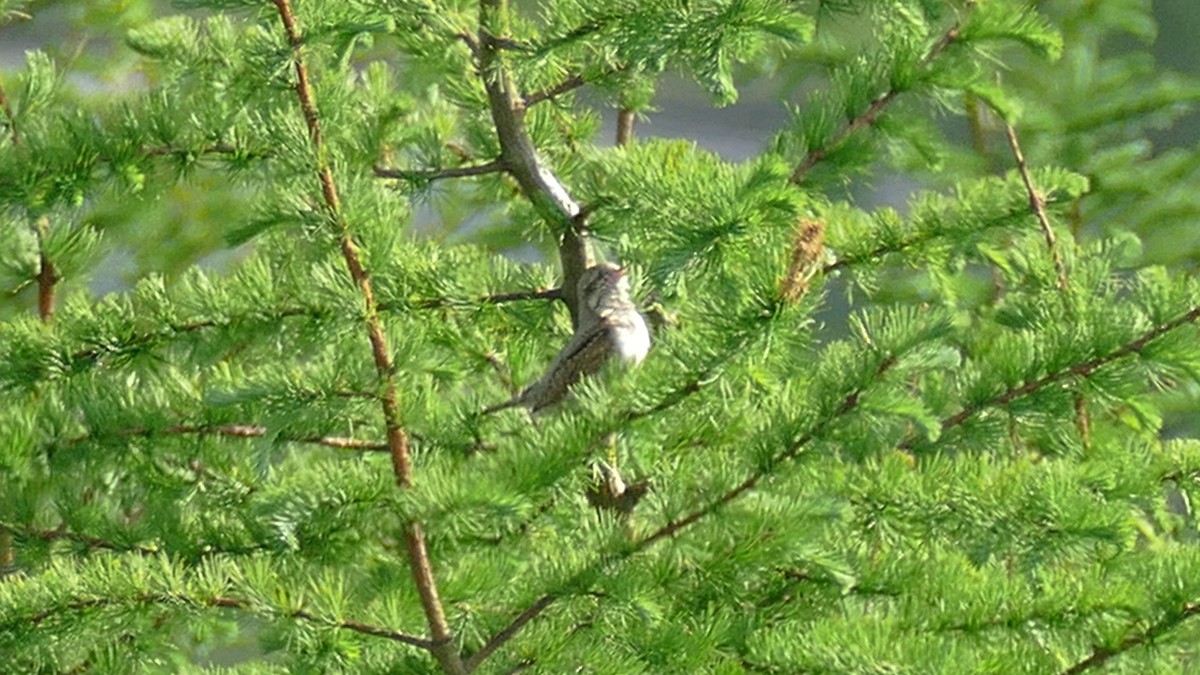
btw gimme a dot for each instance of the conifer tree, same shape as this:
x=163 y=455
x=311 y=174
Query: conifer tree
x=266 y=452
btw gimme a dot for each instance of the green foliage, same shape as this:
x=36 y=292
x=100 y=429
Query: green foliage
x=948 y=440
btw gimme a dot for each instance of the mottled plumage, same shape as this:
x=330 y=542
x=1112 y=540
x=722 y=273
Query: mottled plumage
x=609 y=324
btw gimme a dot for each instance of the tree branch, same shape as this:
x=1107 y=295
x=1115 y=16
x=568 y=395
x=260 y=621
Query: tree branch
x=517 y=151
x=571 y=83
x=226 y=602
x=868 y=116
x=1078 y=370
x=92 y=354
x=1037 y=204
x=248 y=431
x=1101 y=655
x=495 y=299
x=427 y=176
x=47 y=276
x=63 y=534
x=414 y=536
x=219 y=148
x=145 y=340
x=998 y=220
x=509 y=631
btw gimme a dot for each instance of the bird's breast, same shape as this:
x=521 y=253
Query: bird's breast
x=631 y=339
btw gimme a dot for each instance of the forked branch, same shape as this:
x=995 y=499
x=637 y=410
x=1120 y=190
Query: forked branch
x=537 y=181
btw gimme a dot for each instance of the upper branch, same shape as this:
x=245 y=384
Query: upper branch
x=571 y=83
x=61 y=533
x=251 y=431
x=868 y=116
x=509 y=631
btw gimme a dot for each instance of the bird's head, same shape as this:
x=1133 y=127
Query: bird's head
x=603 y=287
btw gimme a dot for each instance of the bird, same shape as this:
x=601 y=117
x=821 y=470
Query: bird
x=609 y=326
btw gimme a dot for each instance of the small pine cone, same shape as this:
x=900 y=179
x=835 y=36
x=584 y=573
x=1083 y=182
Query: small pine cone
x=808 y=249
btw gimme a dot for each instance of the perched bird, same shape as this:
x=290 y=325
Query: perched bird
x=609 y=325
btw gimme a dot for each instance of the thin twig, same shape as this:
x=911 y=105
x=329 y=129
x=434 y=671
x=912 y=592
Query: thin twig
x=494 y=299
x=47 y=276
x=509 y=631
x=144 y=340
x=219 y=148
x=1101 y=655
x=993 y=221
x=569 y=84
x=93 y=543
x=414 y=536
x=428 y=176
x=226 y=602
x=1037 y=204
x=147 y=339
x=249 y=431
x=572 y=82
x=868 y=116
